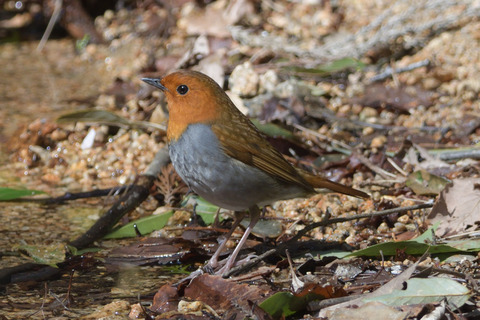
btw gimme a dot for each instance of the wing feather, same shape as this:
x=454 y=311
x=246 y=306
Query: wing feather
x=241 y=140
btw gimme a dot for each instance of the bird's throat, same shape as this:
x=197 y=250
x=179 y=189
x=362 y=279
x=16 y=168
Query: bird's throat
x=184 y=114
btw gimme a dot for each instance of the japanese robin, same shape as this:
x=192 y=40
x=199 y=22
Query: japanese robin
x=224 y=158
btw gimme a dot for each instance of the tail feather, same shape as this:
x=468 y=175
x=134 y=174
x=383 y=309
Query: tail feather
x=319 y=182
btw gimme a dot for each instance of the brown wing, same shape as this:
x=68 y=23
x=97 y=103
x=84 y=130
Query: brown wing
x=241 y=140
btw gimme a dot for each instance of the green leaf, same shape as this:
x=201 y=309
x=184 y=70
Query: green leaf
x=330 y=253
x=272 y=129
x=419 y=246
x=12 y=194
x=81 y=44
x=343 y=64
x=45 y=254
x=284 y=304
x=427 y=236
x=423 y=291
x=423 y=241
x=177 y=269
x=425 y=183
x=279 y=305
x=203 y=208
x=416 y=246
x=330 y=68
x=144 y=225
x=409 y=247
x=465 y=244
x=94 y=116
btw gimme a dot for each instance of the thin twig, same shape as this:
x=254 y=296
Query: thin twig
x=389 y=70
x=351 y=124
x=443 y=271
x=249 y=264
x=452 y=155
x=369 y=164
x=397 y=167
x=361 y=216
x=51 y=23
x=347 y=150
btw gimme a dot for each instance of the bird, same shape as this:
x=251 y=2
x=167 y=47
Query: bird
x=221 y=155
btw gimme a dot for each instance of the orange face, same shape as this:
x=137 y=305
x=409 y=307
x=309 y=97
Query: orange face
x=192 y=98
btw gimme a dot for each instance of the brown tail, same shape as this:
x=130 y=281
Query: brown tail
x=319 y=182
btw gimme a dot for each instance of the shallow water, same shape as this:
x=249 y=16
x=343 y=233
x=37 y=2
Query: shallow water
x=33 y=86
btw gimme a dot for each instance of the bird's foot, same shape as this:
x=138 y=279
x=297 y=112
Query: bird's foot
x=225 y=266
x=191 y=276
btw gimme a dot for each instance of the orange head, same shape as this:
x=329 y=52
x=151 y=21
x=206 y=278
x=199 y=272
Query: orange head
x=192 y=97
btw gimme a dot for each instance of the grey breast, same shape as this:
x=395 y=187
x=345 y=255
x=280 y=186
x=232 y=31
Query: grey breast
x=220 y=179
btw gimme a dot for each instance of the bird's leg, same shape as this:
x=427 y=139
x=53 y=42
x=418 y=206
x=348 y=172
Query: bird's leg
x=254 y=216
x=213 y=262
x=264 y=210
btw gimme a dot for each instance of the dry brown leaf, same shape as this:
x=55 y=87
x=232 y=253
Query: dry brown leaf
x=169 y=184
x=458 y=207
x=166 y=299
x=401 y=98
x=225 y=295
x=216 y=18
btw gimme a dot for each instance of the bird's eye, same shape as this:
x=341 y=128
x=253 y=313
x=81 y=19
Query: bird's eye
x=182 y=89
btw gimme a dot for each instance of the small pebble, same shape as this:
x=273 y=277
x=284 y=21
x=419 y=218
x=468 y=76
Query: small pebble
x=244 y=80
x=378 y=142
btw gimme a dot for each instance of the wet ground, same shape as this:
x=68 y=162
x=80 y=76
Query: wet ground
x=43 y=86
x=93 y=284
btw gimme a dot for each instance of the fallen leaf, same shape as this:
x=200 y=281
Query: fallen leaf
x=371 y=310
x=166 y=299
x=12 y=194
x=225 y=295
x=425 y=183
x=142 y=225
x=458 y=207
x=284 y=304
x=158 y=251
x=401 y=98
x=422 y=291
x=337 y=66
x=45 y=254
x=215 y=19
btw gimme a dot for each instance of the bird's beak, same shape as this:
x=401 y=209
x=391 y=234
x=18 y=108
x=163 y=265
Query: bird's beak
x=155 y=82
